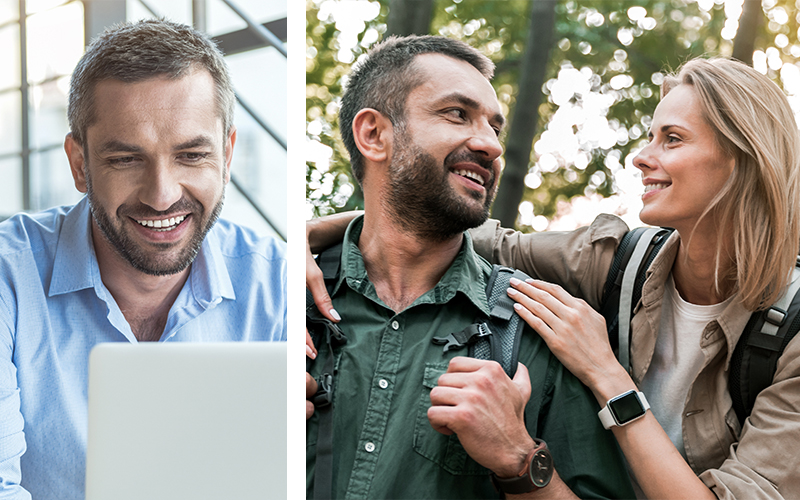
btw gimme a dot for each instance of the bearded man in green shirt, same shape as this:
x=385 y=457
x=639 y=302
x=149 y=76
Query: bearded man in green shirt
x=421 y=122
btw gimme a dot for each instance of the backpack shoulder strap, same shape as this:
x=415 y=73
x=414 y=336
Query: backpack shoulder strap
x=325 y=331
x=497 y=337
x=624 y=284
x=755 y=358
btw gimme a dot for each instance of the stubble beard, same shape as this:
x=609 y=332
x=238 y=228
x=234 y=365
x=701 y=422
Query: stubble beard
x=420 y=198
x=152 y=262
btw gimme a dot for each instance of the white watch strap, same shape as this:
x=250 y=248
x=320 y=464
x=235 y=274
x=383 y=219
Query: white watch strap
x=607 y=418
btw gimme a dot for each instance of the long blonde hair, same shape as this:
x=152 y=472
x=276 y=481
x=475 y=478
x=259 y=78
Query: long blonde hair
x=757 y=208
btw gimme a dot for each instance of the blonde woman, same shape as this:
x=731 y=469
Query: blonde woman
x=723 y=168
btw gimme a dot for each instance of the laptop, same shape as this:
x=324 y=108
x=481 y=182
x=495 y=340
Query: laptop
x=187 y=421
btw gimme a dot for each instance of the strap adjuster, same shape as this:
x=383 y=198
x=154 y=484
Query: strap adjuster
x=775 y=316
x=324 y=395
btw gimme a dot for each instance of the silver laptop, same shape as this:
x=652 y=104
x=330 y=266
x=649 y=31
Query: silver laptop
x=187 y=421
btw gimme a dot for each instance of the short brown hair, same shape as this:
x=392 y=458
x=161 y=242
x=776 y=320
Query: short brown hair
x=133 y=52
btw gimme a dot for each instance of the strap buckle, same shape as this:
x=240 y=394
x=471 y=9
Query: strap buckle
x=468 y=335
x=324 y=395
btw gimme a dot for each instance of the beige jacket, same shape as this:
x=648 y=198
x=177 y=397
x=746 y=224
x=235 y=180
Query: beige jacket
x=761 y=460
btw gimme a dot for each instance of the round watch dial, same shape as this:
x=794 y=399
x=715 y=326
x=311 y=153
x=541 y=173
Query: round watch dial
x=541 y=468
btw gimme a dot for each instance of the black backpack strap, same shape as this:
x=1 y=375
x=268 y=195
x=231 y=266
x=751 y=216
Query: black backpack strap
x=624 y=283
x=321 y=328
x=498 y=337
x=755 y=358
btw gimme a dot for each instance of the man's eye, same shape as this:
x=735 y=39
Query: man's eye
x=457 y=113
x=194 y=156
x=122 y=161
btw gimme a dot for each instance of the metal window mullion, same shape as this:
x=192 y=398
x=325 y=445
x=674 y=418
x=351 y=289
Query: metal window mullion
x=25 y=105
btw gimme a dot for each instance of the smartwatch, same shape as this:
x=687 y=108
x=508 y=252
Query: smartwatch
x=537 y=474
x=623 y=409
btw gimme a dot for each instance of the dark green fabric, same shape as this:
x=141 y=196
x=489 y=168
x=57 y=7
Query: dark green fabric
x=410 y=459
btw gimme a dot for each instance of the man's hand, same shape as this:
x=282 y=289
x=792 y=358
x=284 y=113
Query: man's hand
x=311 y=389
x=477 y=401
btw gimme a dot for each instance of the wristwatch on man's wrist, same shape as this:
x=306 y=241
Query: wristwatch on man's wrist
x=537 y=473
x=623 y=409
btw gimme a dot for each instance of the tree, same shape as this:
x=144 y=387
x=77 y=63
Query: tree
x=597 y=93
x=409 y=17
x=524 y=124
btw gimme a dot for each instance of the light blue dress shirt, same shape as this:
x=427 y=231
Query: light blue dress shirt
x=54 y=308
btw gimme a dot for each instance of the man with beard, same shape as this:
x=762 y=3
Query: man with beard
x=140 y=258
x=421 y=123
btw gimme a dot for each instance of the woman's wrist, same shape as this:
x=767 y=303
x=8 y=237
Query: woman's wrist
x=612 y=385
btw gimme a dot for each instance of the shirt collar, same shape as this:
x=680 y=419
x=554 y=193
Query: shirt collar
x=467 y=274
x=75 y=265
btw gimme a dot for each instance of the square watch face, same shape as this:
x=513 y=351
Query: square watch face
x=626 y=407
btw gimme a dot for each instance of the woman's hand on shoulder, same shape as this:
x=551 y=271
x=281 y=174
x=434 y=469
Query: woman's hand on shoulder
x=575 y=333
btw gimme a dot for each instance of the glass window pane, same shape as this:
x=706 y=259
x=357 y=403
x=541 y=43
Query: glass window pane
x=10 y=122
x=9 y=10
x=260 y=77
x=48 y=113
x=34 y=6
x=259 y=164
x=51 y=180
x=55 y=42
x=9 y=57
x=11 y=187
x=179 y=11
x=221 y=19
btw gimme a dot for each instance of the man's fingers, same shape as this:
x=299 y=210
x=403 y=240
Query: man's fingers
x=523 y=382
x=439 y=417
x=311 y=385
x=309 y=409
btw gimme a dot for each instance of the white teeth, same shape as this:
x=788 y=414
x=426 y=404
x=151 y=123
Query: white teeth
x=470 y=175
x=653 y=187
x=163 y=225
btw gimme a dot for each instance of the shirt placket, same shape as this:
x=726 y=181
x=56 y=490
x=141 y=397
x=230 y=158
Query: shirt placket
x=371 y=440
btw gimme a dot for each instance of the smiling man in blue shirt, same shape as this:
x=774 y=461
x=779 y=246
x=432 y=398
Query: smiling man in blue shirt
x=140 y=258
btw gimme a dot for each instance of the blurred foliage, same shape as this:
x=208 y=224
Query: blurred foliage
x=603 y=39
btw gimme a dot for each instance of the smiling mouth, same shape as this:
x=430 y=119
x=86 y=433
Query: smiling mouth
x=163 y=224
x=469 y=174
x=655 y=187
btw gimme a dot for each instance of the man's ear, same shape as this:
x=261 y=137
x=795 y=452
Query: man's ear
x=373 y=134
x=230 y=141
x=77 y=162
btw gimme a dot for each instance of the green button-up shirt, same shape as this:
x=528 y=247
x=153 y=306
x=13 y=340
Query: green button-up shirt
x=384 y=445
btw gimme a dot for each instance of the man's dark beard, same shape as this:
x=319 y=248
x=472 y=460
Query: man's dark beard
x=420 y=198
x=142 y=260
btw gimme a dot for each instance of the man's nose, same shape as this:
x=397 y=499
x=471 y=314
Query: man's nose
x=161 y=188
x=485 y=140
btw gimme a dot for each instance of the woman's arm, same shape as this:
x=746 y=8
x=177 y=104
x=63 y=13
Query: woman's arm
x=577 y=260
x=577 y=336
x=320 y=234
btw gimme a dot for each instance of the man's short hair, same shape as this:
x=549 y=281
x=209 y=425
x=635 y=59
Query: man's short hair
x=133 y=52
x=383 y=80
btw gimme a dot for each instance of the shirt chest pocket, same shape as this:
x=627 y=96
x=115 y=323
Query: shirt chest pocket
x=445 y=451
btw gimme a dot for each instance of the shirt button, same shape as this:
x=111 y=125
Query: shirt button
x=395 y=325
x=370 y=447
x=383 y=383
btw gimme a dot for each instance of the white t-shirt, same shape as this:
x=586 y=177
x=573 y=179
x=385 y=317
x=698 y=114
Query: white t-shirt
x=677 y=359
